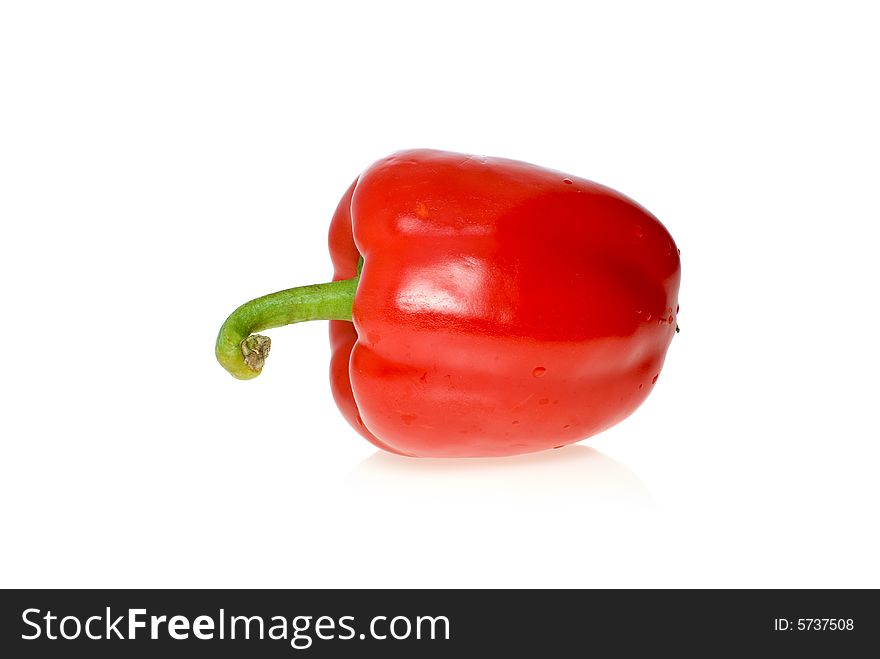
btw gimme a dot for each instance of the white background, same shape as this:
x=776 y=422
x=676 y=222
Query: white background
x=162 y=162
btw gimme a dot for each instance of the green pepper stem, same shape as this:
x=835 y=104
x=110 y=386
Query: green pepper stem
x=243 y=353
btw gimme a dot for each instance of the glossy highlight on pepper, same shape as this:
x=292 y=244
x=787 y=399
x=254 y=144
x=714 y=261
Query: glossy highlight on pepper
x=481 y=306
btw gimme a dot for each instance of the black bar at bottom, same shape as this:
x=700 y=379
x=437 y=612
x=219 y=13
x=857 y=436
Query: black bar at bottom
x=427 y=623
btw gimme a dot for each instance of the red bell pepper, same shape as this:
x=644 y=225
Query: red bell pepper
x=481 y=306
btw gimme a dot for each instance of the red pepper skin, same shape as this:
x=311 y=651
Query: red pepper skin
x=502 y=307
x=343 y=335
